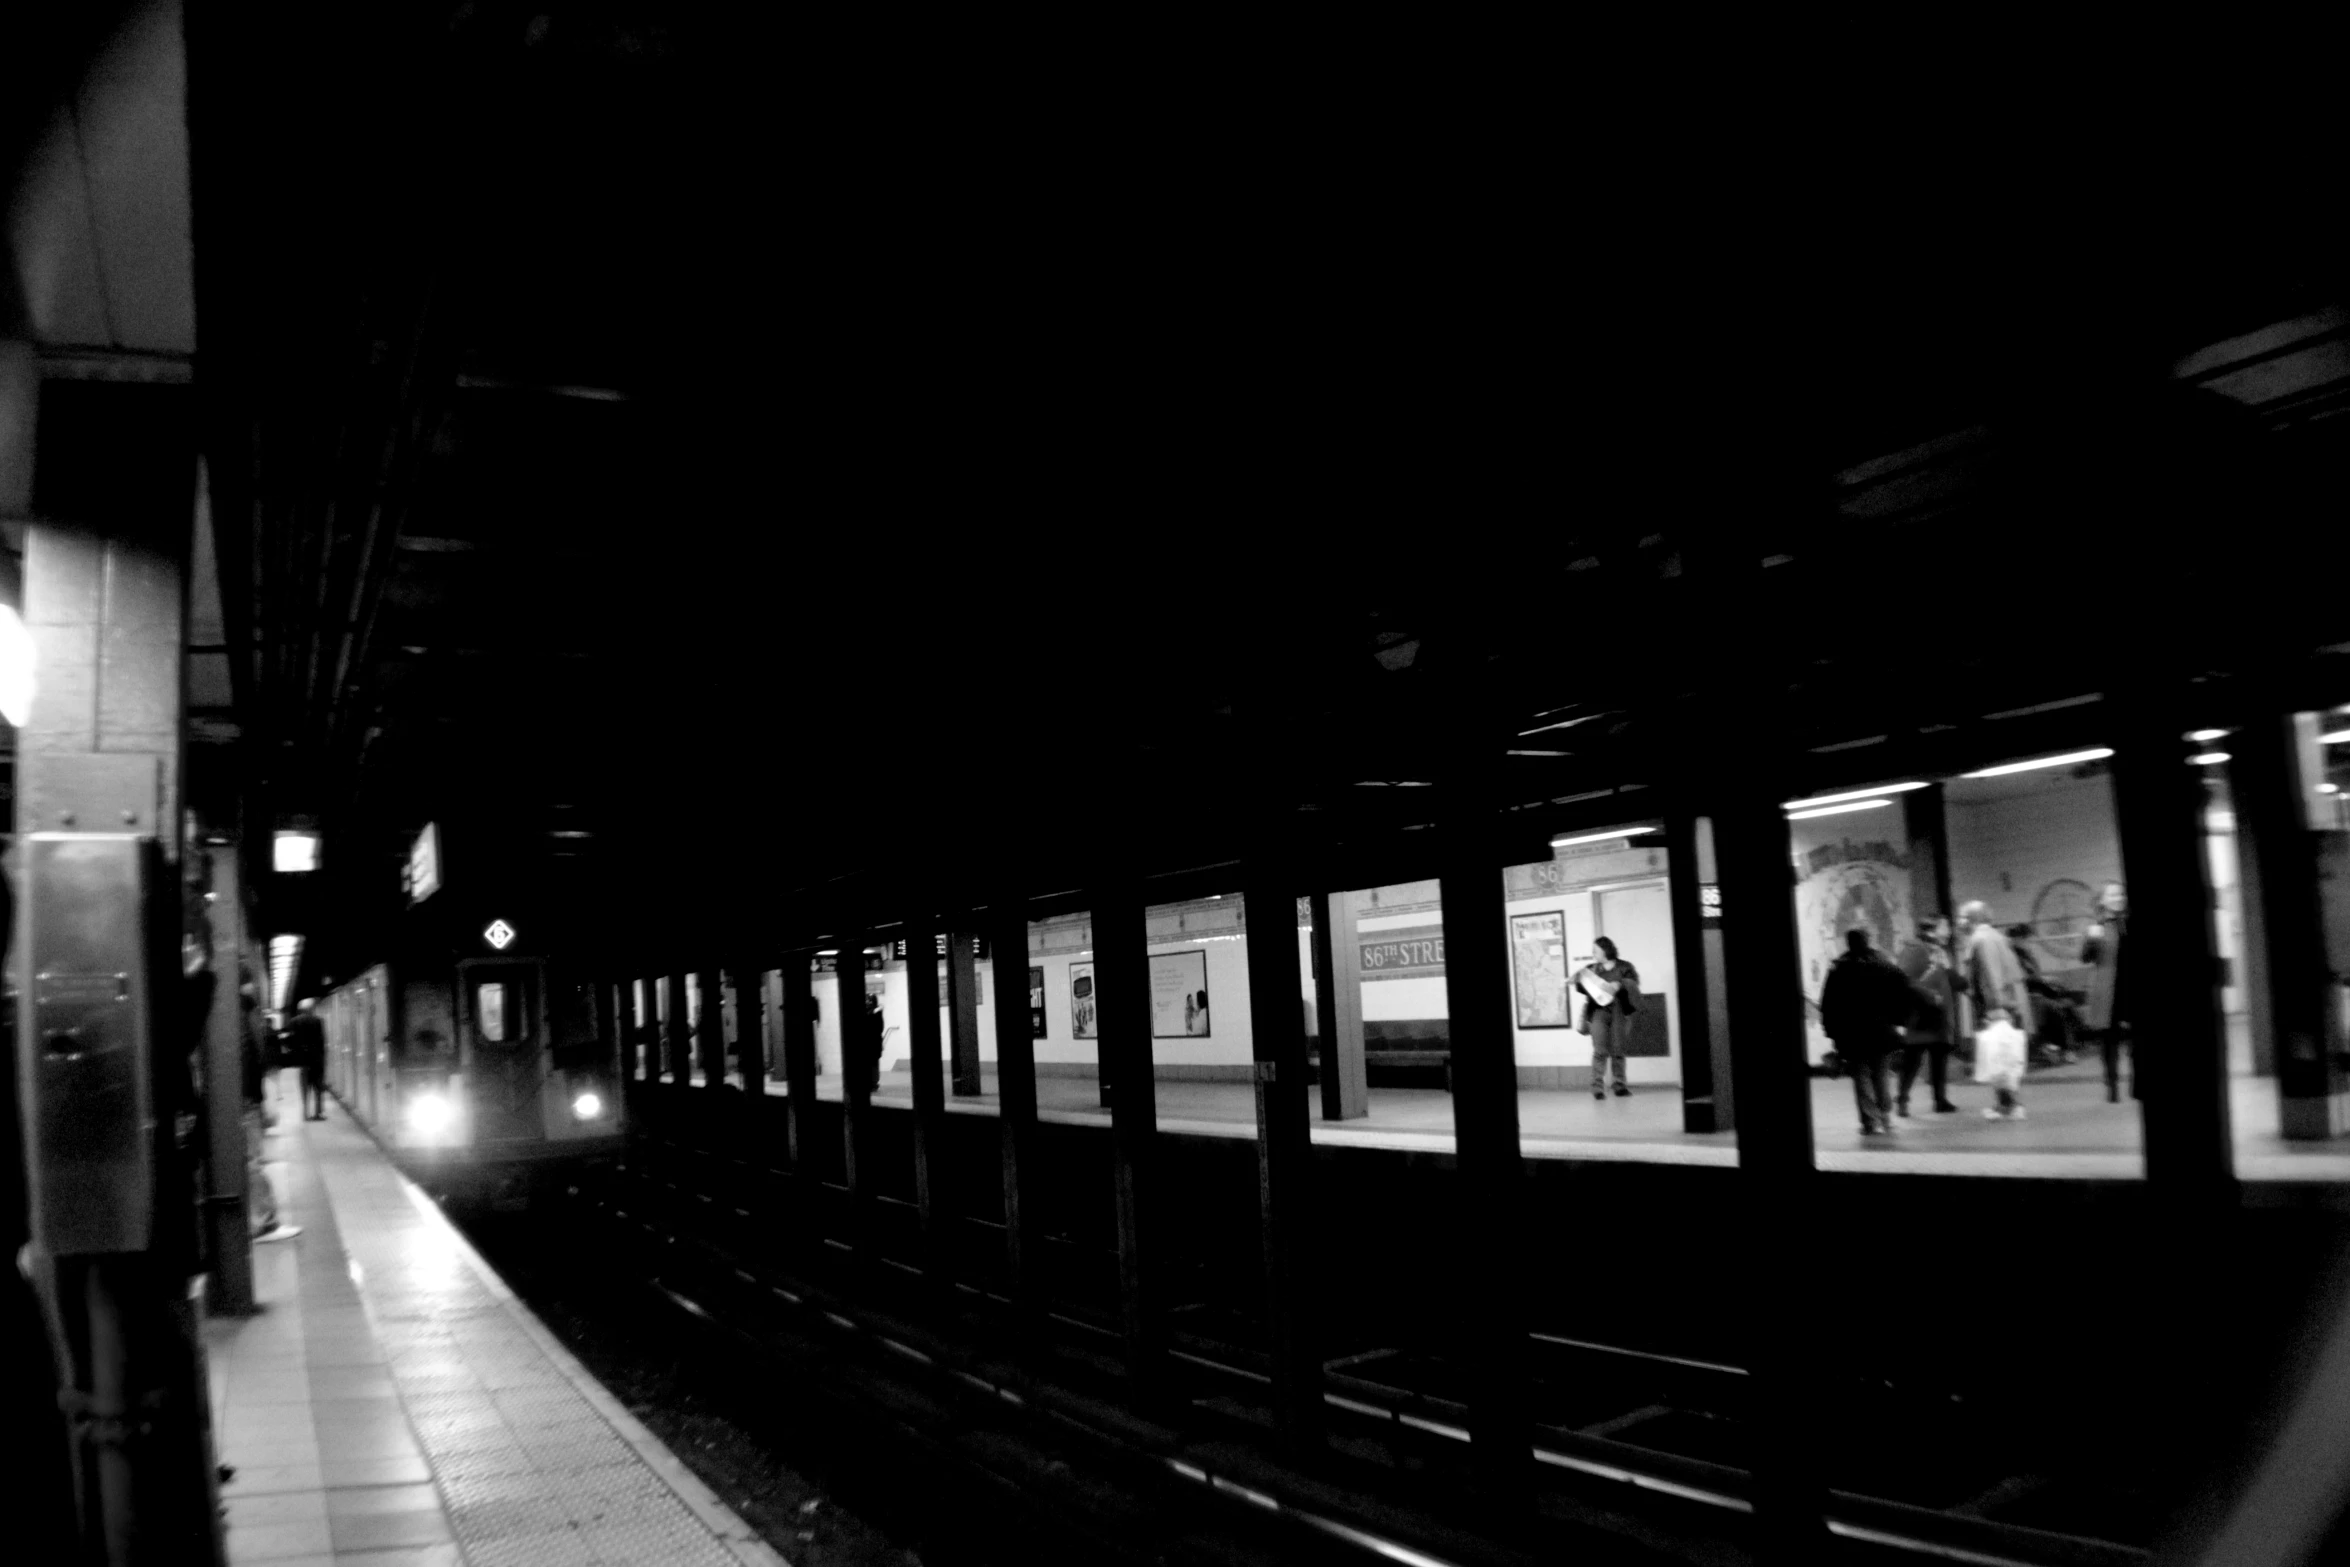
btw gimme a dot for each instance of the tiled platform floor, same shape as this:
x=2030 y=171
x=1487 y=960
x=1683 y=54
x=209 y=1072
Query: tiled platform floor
x=394 y=1406
x=2070 y=1130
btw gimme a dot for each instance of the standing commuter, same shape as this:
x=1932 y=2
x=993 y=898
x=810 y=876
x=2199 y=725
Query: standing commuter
x=869 y=1058
x=1925 y=963
x=2105 y=1016
x=1863 y=1006
x=309 y=1036
x=1611 y=994
x=1991 y=972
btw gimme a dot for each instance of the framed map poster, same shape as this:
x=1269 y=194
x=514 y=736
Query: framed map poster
x=1179 y=995
x=1538 y=961
x=1036 y=1003
x=1084 y=1020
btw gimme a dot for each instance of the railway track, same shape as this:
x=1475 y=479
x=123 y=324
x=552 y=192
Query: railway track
x=1639 y=1452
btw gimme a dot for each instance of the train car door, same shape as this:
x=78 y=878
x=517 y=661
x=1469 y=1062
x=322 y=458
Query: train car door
x=505 y=1046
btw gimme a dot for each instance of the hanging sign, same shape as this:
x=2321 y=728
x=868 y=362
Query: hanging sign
x=499 y=935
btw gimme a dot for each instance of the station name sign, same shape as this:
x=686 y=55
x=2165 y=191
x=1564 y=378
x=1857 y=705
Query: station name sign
x=1404 y=954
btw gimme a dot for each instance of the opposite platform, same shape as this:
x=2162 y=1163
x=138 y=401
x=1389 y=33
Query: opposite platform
x=394 y=1405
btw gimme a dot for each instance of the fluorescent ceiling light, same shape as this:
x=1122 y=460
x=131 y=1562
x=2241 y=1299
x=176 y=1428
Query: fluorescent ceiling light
x=296 y=852
x=2207 y=759
x=2335 y=737
x=2329 y=788
x=16 y=667
x=2097 y=754
x=1854 y=794
x=2205 y=736
x=1836 y=810
x=1600 y=837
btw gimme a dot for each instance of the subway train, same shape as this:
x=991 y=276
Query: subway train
x=482 y=1076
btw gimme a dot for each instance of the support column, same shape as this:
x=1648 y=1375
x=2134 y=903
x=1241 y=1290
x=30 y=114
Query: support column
x=608 y=1031
x=1703 y=1101
x=1015 y=1078
x=1776 y=1255
x=1121 y=967
x=229 y=1280
x=2274 y=755
x=1338 y=1007
x=1285 y=1151
x=963 y=1011
x=1925 y=817
x=750 y=1026
x=930 y=1109
x=856 y=1094
x=799 y=1063
x=2179 y=1049
x=1494 y=1346
x=681 y=1044
x=711 y=1034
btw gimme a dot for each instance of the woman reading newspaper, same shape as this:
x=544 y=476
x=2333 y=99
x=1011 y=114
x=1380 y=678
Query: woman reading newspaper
x=1611 y=994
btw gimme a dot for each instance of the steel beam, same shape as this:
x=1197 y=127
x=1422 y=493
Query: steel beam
x=1286 y=1224
x=1121 y=966
x=1338 y=1008
x=1015 y=1076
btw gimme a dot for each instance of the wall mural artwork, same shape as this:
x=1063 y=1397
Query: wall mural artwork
x=1845 y=886
x=1036 y=1002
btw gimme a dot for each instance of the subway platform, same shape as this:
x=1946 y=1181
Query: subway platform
x=394 y=1405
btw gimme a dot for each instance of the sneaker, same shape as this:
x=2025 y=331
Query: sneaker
x=2016 y=1114
x=1599 y=1093
x=1945 y=1107
x=1622 y=1092
x=279 y=1232
x=1990 y=1112
x=1902 y=1109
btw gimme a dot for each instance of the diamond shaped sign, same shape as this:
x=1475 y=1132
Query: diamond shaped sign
x=498 y=935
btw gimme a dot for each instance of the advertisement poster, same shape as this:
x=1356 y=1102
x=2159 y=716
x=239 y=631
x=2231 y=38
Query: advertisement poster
x=1179 y=995
x=1036 y=1002
x=1538 y=956
x=1084 y=1021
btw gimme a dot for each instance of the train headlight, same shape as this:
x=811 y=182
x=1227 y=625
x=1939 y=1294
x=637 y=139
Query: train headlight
x=430 y=1114
x=588 y=1105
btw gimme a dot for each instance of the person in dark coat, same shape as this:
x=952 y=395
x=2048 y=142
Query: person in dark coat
x=2104 y=1015
x=309 y=1040
x=869 y=1041
x=1925 y=963
x=1863 y=1006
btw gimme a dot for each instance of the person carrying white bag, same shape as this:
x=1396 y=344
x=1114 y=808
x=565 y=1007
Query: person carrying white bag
x=1999 y=1061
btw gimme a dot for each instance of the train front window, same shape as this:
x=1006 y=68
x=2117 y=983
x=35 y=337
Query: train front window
x=489 y=1005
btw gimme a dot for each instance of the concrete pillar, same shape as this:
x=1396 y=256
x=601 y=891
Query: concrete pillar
x=2178 y=1049
x=856 y=1094
x=1121 y=966
x=1493 y=1325
x=799 y=1062
x=711 y=1034
x=2273 y=829
x=1015 y=1076
x=229 y=1279
x=1704 y=1100
x=963 y=1011
x=680 y=1038
x=1776 y=1251
x=1285 y=1150
x=1338 y=1007
x=923 y=1053
x=750 y=1026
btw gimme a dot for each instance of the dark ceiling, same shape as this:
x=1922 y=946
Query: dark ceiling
x=714 y=461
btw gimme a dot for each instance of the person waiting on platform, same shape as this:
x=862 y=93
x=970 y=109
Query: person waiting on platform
x=1611 y=994
x=309 y=1039
x=869 y=1051
x=2104 y=1016
x=1990 y=972
x=1925 y=963
x=1863 y=1007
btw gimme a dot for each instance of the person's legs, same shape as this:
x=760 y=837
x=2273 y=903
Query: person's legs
x=2109 y=1045
x=1939 y=1070
x=1911 y=1055
x=1868 y=1081
x=1603 y=1039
